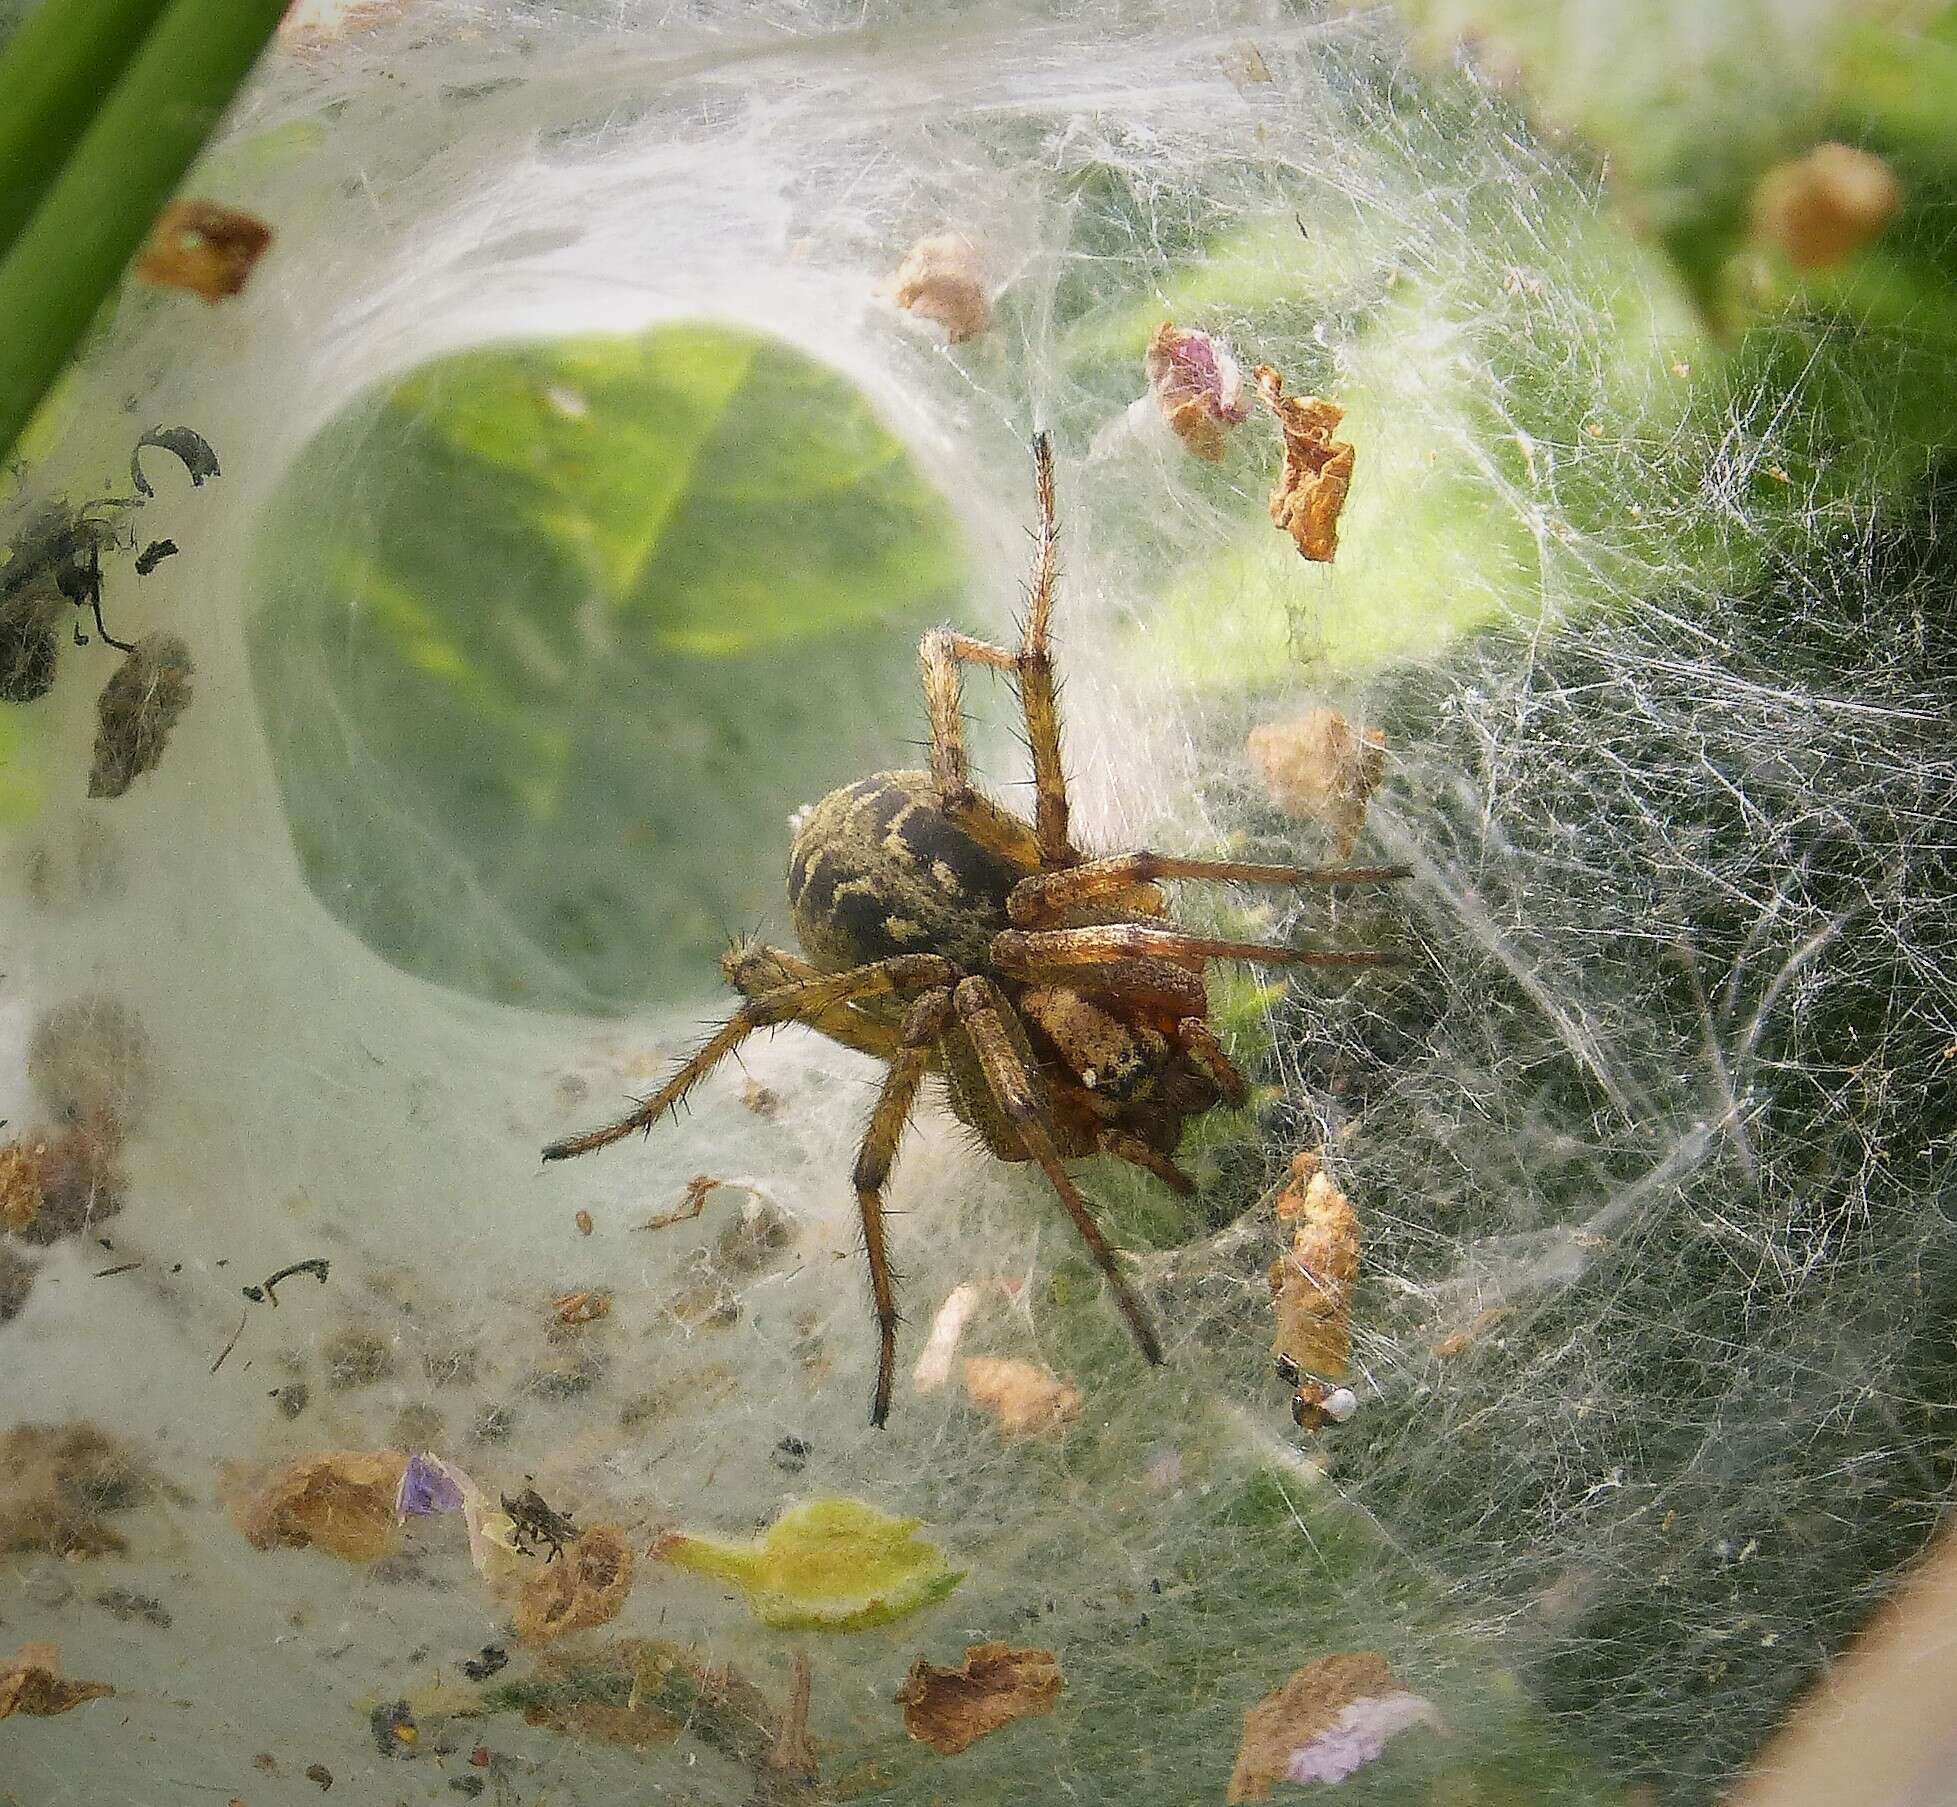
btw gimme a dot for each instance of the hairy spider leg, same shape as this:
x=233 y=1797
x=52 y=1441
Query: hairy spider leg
x=924 y=1023
x=1052 y=955
x=981 y=1012
x=943 y=651
x=755 y=969
x=796 y=1002
x=1199 y=1041
x=1042 y=895
x=1137 y=1153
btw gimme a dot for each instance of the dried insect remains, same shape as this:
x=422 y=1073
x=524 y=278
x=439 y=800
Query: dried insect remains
x=1062 y=1009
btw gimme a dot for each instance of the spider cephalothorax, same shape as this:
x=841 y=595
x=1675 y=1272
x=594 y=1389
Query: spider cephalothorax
x=1064 y=1013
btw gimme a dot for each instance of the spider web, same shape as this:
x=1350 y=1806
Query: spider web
x=1650 y=1143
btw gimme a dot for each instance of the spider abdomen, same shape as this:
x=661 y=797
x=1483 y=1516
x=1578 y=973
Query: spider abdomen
x=878 y=868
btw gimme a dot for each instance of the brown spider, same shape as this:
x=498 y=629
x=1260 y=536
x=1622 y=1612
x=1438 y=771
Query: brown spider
x=944 y=935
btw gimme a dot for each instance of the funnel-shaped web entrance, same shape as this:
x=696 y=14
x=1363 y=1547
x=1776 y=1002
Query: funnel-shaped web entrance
x=554 y=638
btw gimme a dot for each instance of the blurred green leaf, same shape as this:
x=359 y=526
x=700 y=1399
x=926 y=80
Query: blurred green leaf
x=554 y=638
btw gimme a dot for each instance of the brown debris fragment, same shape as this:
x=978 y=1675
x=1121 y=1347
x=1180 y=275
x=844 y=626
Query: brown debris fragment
x=950 y=1709
x=1307 y=1705
x=339 y=1501
x=760 y=1099
x=203 y=247
x=585 y=1590
x=1331 y=1719
x=20 y=1184
x=93 y=1062
x=137 y=709
x=581 y=1307
x=1024 y=1397
x=940 y=279
x=584 y=1223
x=1823 y=208
x=1321 y=768
x=689 y=1207
x=1198 y=387
x=309 y=27
x=58 y=1482
x=319 y=1773
x=31 y=1682
x=30 y=646
x=641 y=1692
x=794 y=1751
x=1317 y=468
x=59 y=1185
x=1312 y=1281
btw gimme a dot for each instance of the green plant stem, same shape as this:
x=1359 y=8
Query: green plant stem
x=94 y=218
x=58 y=69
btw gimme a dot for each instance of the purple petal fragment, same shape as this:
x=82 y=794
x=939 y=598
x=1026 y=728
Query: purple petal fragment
x=427 y=1487
x=1361 y=1734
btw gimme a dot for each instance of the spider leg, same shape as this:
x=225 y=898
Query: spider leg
x=925 y=1021
x=797 y=1002
x=1049 y=954
x=981 y=1010
x=943 y=651
x=755 y=969
x=1137 y=1153
x=1044 y=895
x=1036 y=676
x=1199 y=1041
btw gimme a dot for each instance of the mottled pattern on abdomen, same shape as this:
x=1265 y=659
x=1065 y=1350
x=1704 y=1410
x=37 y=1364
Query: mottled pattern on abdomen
x=877 y=869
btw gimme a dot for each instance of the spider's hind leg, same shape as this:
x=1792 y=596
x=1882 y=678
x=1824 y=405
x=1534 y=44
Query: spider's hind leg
x=981 y=1011
x=924 y=1023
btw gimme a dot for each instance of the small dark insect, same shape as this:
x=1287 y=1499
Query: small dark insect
x=263 y=1293
x=481 y=1668
x=537 y=1523
x=153 y=555
x=1046 y=987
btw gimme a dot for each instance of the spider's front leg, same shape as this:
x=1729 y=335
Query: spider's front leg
x=943 y=651
x=925 y=1021
x=1041 y=896
x=801 y=1001
x=981 y=1012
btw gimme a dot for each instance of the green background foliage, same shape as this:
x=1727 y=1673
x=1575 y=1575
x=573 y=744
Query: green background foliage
x=557 y=637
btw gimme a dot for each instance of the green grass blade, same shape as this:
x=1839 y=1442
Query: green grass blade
x=61 y=65
x=145 y=135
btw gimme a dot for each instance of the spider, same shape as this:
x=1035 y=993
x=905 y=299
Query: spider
x=1047 y=989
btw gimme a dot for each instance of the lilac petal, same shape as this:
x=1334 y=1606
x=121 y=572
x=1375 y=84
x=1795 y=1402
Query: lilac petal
x=1360 y=1735
x=426 y=1487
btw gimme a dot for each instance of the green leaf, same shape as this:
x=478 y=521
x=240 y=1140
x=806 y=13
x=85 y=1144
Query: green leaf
x=593 y=618
x=826 y=1565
